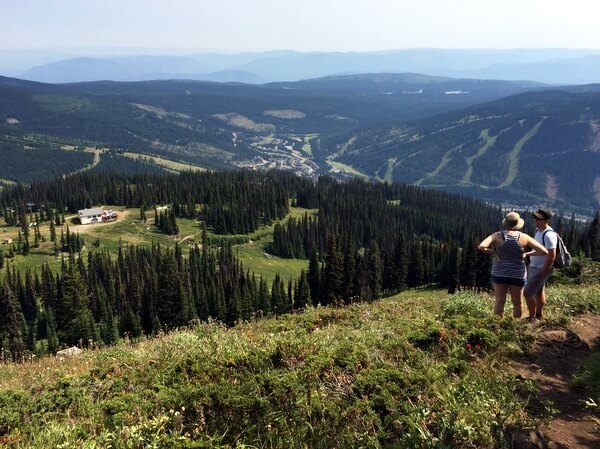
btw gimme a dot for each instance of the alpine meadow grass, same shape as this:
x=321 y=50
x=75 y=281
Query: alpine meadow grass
x=418 y=370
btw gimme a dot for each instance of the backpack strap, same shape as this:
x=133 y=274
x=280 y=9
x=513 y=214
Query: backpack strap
x=544 y=237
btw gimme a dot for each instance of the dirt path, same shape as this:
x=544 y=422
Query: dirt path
x=554 y=360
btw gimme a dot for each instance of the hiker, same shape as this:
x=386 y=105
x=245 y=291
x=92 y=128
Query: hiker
x=508 y=267
x=540 y=267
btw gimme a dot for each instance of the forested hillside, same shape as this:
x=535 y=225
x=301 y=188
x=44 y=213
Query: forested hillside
x=527 y=149
x=537 y=147
x=366 y=240
x=226 y=124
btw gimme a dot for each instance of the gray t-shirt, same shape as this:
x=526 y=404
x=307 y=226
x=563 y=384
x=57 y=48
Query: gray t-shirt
x=549 y=241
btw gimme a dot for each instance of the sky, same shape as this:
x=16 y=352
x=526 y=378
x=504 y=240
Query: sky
x=303 y=25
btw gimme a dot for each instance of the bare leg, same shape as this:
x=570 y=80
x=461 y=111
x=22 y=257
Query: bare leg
x=540 y=302
x=516 y=294
x=500 y=291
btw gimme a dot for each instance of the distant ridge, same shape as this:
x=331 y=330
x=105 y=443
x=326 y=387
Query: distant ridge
x=556 y=66
x=512 y=142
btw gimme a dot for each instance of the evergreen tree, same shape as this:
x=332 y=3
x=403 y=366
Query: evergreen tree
x=52 y=231
x=51 y=335
x=333 y=273
x=594 y=237
x=453 y=268
x=314 y=277
x=468 y=269
x=264 y=301
x=416 y=268
x=400 y=263
x=279 y=303
x=29 y=303
x=349 y=271
x=12 y=323
x=302 y=292
x=74 y=319
x=375 y=269
x=172 y=304
x=24 y=235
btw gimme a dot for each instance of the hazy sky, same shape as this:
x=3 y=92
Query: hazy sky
x=304 y=25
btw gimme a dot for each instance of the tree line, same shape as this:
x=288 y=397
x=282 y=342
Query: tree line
x=366 y=240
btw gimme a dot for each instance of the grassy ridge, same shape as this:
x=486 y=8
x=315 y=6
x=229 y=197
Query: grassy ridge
x=418 y=370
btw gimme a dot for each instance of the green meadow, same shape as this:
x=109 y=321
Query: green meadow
x=129 y=229
x=421 y=369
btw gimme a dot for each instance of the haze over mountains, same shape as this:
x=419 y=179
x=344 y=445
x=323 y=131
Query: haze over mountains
x=554 y=66
x=512 y=142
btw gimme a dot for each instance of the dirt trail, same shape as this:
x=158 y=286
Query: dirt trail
x=554 y=360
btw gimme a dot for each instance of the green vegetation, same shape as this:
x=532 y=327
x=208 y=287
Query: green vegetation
x=346 y=169
x=306 y=145
x=255 y=257
x=129 y=229
x=63 y=104
x=481 y=150
x=490 y=151
x=417 y=370
x=513 y=156
x=162 y=162
x=488 y=142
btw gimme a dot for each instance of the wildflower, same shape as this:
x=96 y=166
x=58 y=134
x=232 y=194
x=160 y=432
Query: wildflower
x=477 y=347
x=468 y=346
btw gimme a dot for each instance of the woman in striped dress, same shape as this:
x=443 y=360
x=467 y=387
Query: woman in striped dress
x=508 y=247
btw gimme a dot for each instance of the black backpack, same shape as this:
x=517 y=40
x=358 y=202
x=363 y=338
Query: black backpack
x=563 y=256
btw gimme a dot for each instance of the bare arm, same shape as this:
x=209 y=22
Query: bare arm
x=549 y=261
x=485 y=245
x=537 y=249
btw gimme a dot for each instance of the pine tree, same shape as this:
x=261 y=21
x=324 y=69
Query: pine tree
x=51 y=335
x=453 y=268
x=172 y=305
x=416 y=268
x=314 y=277
x=302 y=292
x=29 y=304
x=468 y=269
x=52 y=231
x=333 y=275
x=279 y=302
x=375 y=269
x=75 y=322
x=349 y=271
x=400 y=263
x=264 y=300
x=12 y=323
x=594 y=237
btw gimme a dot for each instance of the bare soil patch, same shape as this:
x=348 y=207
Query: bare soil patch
x=556 y=357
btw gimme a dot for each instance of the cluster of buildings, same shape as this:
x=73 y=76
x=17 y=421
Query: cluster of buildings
x=96 y=215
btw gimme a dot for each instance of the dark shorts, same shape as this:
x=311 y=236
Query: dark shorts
x=506 y=280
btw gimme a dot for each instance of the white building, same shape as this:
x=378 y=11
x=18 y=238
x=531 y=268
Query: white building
x=87 y=216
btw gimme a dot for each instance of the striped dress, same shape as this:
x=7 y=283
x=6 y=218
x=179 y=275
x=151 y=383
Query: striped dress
x=510 y=263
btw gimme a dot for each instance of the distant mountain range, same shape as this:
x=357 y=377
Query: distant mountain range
x=510 y=142
x=553 y=66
